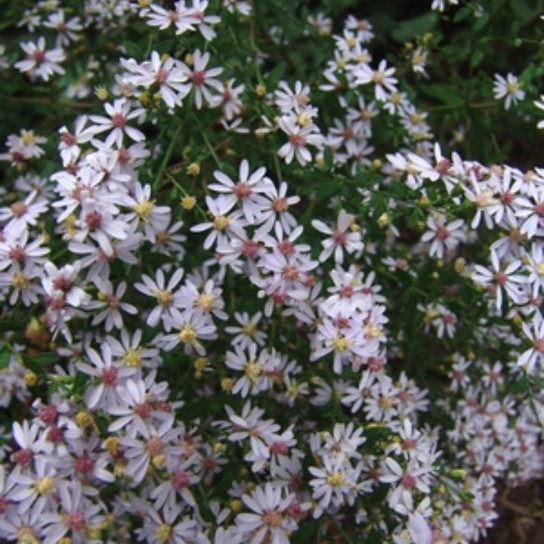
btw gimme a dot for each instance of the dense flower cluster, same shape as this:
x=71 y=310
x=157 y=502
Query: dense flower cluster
x=218 y=284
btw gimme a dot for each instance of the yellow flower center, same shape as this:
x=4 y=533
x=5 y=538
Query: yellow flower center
x=303 y=119
x=187 y=334
x=132 y=357
x=378 y=77
x=336 y=479
x=341 y=343
x=163 y=533
x=252 y=370
x=221 y=222
x=249 y=329
x=143 y=209
x=512 y=87
x=164 y=297
x=386 y=403
x=112 y=444
x=20 y=281
x=44 y=485
x=205 y=301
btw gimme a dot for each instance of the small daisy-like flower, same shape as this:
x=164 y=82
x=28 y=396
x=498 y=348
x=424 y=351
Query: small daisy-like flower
x=339 y=239
x=168 y=74
x=335 y=483
x=41 y=62
x=224 y=224
x=247 y=333
x=162 y=292
x=535 y=354
x=509 y=89
x=443 y=237
x=119 y=113
x=270 y=519
x=300 y=137
x=245 y=190
x=502 y=280
x=382 y=78
x=202 y=80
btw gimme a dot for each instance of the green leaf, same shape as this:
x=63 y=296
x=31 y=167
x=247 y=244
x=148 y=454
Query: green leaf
x=481 y=21
x=447 y=94
x=38 y=361
x=410 y=28
x=134 y=50
x=462 y=14
x=527 y=10
x=5 y=356
x=275 y=74
x=306 y=533
x=10 y=325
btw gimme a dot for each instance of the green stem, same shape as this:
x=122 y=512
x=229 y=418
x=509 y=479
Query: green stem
x=167 y=156
x=207 y=142
x=346 y=537
x=49 y=101
x=182 y=190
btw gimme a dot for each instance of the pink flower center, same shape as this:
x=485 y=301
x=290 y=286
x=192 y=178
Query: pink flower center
x=48 y=415
x=408 y=481
x=119 y=120
x=290 y=272
x=143 y=410
x=539 y=209
x=279 y=297
x=93 y=220
x=279 y=447
x=339 y=237
x=250 y=248
x=38 y=56
x=449 y=318
x=342 y=322
x=294 y=510
x=286 y=247
x=280 y=204
x=68 y=138
x=298 y=140
x=155 y=446
x=84 y=464
x=124 y=155
x=114 y=302
x=501 y=278
x=75 y=521
x=376 y=363
x=507 y=197
x=273 y=519
x=57 y=303
x=180 y=480
x=109 y=375
x=17 y=254
x=54 y=434
x=443 y=166
x=538 y=344
x=198 y=77
x=18 y=209
x=409 y=444
x=242 y=190
x=442 y=233
x=162 y=75
x=346 y=291
x=23 y=457
x=62 y=283
x=4 y=503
